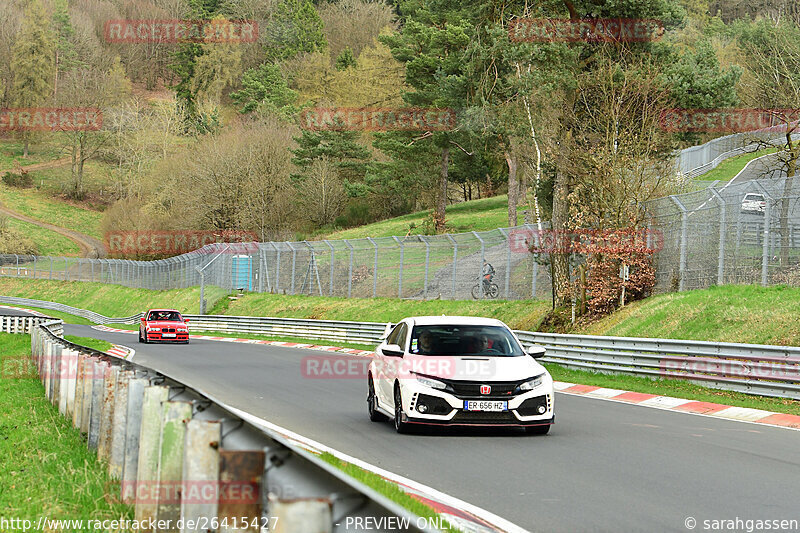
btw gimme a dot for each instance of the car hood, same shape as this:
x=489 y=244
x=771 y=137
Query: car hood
x=474 y=368
x=165 y=324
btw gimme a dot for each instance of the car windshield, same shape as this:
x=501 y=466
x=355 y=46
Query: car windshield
x=167 y=316
x=492 y=341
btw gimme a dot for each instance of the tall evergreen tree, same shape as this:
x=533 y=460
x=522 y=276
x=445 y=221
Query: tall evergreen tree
x=32 y=63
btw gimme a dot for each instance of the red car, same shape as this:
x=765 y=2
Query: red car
x=163 y=325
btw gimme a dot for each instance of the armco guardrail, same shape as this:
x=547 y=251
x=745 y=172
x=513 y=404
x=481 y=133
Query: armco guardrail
x=751 y=368
x=25 y=324
x=182 y=455
x=55 y=306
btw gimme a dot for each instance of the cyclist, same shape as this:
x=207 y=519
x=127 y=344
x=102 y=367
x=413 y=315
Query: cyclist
x=487 y=273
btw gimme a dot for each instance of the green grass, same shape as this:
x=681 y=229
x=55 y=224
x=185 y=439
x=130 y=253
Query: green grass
x=476 y=215
x=108 y=300
x=49 y=242
x=47 y=469
x=11 y=152
x=730 y=313
x=673 y=387
x=55 y=181
x=726 y=170
x=89 y=342
x=388 y=489
x=519 y=314
x=41 y=206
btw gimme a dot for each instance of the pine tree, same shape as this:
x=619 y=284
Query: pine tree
x=296 y=27
x=32 y=63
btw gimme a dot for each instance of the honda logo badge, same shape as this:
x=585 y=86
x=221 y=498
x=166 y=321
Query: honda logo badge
x=485 y=389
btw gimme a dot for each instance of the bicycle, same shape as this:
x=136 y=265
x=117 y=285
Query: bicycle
x=490 y=289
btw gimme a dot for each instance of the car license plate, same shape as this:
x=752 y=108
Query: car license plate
x=482 y=405
x=168 y=335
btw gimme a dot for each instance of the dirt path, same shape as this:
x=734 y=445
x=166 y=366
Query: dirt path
x=90 y=247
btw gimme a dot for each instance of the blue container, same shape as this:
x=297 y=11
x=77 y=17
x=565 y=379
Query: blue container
x=242 y=270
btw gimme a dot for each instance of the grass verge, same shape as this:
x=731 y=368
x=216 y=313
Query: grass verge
x=390 y=490
x=730 y=313
x=726 y=170
x=47 y=469
x=108 y=300
x=476 y=215
x=89 y=342
x=673 y=387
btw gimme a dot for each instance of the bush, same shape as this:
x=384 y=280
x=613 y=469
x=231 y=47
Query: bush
x=14 y=242
x=20 y=181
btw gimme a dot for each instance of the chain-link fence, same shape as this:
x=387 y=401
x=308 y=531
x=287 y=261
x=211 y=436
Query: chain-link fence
x=747 y=232
x=417 y=267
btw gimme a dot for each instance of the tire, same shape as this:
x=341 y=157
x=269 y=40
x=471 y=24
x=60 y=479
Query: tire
x=399 y=425
x=143 y=337
x=538 y=430
x=493 y=291
x=476 y=294
x=372 y=402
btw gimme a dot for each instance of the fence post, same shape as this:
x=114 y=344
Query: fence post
x=483 y=258
x=767 y=222
x=350 y=269
x=34 y=267
x=455 y=262
x=427 y=265
x=201 y=470
x=174 y=415
x=147 y=462
x=277 y=270
x=374 y=269
x=721 y=259
x=294 y=261
x=508 y=260
x=133 y=419
x=330 y=291
x=400 y=272
x=683 y=244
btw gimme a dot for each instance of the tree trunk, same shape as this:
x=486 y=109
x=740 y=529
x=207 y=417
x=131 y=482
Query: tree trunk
x=560 y=260
x=792 y=151
x=513 y=186
x=441 y=204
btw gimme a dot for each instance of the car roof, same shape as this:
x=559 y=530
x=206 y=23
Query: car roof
x=171 y=310
x=454 y=321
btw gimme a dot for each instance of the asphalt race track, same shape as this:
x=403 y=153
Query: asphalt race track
x=605 y=466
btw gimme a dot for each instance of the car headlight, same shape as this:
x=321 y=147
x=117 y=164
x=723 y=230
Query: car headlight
x=430 y=382
x=182 y=330
x=531 y=383
x=153 y=329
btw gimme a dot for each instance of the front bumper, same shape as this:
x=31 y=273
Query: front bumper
x=533 y=408
x=158 y=337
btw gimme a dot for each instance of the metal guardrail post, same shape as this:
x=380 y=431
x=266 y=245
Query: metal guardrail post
x=374 y=269
x=119 y=425
x=683 y=243
x=89 y=379
x=130 y=465
x=201 y=471
x=106 y=429
x=349 y=270
x=245 y=469
x=98 y=392
x=149 y=453
x=174 y=415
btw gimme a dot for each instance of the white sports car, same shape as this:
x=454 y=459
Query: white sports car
x=458 y=371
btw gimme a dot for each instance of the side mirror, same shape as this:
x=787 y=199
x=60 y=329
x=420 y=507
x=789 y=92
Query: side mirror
x=537 y=352
x=392 y=350
x=143 y=319
x=186 y=320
